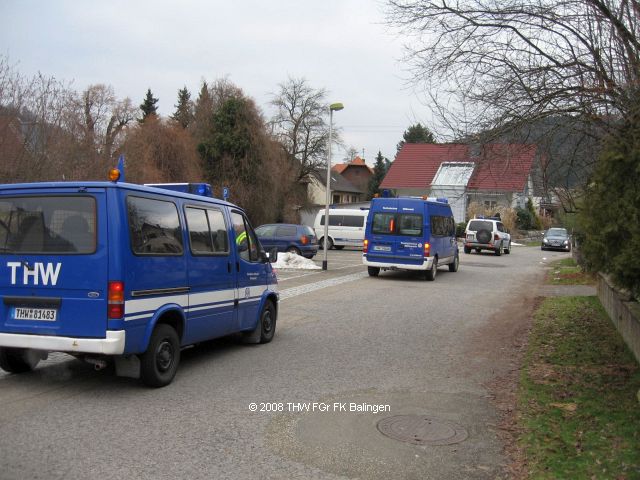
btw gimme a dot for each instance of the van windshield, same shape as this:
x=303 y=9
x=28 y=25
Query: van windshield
x=60 y=224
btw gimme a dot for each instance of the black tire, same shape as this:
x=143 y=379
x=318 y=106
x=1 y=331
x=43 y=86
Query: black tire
x=507 y=250
x=483 y=236
x=267 y=322
x=295 y=250
x=338 y=247
x=16 y=360
x=373 y=271
x=467 y=249
x=329 y=244
x=158 y=365
x=453 y=267
x=498 y=250
x=431 y=274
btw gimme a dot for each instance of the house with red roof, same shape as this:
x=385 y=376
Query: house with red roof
x=356 y=172
x=492 y=174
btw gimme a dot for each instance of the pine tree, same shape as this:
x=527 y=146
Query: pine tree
x=148 y=106
x=416 y=134
x=379 y=172
x=184 y=108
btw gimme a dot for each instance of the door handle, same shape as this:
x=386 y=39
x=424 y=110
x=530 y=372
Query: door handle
x=237 y=266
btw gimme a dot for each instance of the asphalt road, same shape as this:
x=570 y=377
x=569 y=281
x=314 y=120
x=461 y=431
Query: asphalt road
x=396 y=344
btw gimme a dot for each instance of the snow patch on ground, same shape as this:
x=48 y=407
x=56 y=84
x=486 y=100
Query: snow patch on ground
x=293 y=261
x=517 y=244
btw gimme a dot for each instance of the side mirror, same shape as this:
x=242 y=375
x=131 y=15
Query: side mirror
x=272 y=255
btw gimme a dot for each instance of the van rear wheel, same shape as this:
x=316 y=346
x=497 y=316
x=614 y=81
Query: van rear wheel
x=17 y=360
x=158 y=365
x=329 y=243
x=373 y=271
x=431 y=274
x=453 y=266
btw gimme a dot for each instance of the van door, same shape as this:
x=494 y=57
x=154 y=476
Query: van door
x=410 y=235
x=212 y=275
x=54 y=262
x=382 y=242
x=251 y=274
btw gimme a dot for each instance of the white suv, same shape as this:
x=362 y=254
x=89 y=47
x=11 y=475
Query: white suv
x=487 y=234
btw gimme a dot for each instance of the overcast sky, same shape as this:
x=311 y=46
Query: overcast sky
x=339 y=45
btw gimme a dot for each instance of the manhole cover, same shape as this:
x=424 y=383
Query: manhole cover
x=421 y=430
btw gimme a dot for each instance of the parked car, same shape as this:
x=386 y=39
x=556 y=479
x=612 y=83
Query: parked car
x=556 y=239
x=286 y=237
x=487 y=234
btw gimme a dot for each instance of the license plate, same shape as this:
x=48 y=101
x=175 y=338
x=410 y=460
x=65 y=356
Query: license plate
x=378 y=248
x=45 y=314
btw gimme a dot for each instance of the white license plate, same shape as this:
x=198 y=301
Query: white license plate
x=382 y=249
x=45 y=314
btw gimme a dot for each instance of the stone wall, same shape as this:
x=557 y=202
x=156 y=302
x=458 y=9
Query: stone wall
x=624 y=313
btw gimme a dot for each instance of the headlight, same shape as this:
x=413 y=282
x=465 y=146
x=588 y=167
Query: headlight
x=544 y=240
x=566 y=242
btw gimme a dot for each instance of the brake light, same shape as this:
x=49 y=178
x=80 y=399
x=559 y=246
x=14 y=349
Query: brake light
x=427 y=249
x=392 y=225
x=496 y=237
x=304 y=239
x=115 y=300
x=365 y=246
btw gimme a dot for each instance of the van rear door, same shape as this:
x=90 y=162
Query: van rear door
x=53 y=261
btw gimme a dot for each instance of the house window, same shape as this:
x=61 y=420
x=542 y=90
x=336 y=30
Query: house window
x=336 y=199
x=490 y=204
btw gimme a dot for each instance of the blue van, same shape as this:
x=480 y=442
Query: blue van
x=133 y=273
x=409 y=233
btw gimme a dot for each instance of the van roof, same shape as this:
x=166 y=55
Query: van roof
x=6 y=188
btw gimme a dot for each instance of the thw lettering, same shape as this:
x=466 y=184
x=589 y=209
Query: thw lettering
x=40 y=274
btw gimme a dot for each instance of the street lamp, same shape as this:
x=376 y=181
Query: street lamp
x=334 y=107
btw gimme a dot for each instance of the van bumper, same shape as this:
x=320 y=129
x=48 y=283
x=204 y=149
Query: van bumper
x=113 y=344
x=426 y=265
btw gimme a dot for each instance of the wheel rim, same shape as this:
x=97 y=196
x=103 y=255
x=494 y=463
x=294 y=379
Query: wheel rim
x=164 y=355
x=267 y=321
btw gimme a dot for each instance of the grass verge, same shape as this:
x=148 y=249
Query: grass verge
x=567 y=272
x=578 y=402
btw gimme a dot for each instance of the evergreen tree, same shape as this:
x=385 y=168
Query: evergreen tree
x=379 y=171
x=148 y=106
x=184 y=108
x=416 y=134
x=609 y=221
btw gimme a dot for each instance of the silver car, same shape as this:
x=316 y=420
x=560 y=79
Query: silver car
x=556 y=239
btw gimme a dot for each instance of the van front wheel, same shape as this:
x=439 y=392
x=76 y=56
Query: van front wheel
x=17 y=360
x=267 y=322
x=329 y=243
x=158 y=365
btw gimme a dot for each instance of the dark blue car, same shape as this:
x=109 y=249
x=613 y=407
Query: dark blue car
x=298 y=239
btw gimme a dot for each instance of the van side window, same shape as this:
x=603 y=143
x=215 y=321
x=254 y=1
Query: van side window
x=246 y=242
x=154 y=227
x=440 y=226
x=207 y=231
x=352 y=221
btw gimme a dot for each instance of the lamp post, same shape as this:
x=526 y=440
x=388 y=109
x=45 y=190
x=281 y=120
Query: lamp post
x=334 y=107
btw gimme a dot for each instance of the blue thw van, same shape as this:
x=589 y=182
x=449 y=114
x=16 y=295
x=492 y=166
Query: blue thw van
x=410 y=234
x=108 y=270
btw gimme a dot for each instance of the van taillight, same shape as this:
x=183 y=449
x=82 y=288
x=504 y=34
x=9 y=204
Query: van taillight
x=427 y=249
x=115 y=297
x=365 y=246
x=304 y=239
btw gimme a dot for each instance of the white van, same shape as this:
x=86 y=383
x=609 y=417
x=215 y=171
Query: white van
x=346 y=227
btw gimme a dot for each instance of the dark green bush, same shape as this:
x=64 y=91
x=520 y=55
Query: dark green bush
x=610 y=218
x=460 y=228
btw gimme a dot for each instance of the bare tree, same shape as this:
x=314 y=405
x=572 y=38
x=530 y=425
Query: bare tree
x=499 y=66
x=300 y=124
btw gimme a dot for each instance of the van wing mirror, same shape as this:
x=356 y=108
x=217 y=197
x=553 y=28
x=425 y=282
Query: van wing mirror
x=272 y=255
